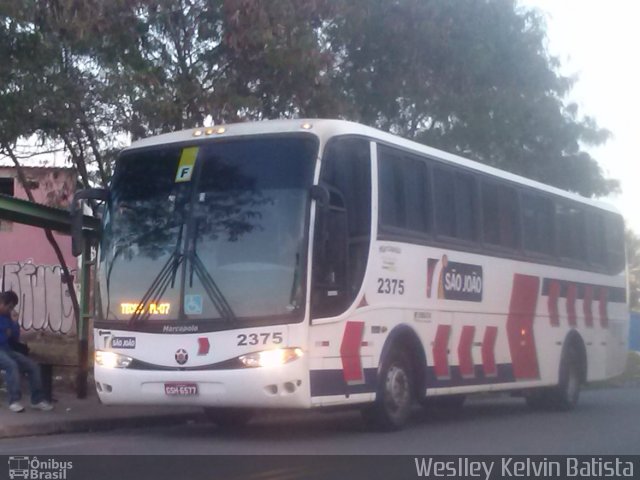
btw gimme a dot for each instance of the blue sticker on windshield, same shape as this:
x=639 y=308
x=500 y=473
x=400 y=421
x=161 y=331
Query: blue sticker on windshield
x=193 y=304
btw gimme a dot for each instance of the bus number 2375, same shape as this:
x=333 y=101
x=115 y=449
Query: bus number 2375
x=259 y=338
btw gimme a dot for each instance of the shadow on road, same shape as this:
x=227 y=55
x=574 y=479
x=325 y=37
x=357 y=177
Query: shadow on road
x=279 y=426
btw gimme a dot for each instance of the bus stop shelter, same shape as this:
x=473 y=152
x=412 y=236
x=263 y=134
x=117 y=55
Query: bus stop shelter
x=58 y=220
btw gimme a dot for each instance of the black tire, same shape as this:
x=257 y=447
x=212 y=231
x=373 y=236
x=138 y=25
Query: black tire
x=395 y=394
x=565 y=395
x=229 y=418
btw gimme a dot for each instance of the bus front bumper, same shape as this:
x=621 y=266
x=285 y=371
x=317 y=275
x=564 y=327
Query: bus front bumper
x=285 y=386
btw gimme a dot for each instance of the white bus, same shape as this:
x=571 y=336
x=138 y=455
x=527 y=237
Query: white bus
x=318 y=263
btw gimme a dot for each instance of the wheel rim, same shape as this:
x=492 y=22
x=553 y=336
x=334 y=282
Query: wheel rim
x=398 y=392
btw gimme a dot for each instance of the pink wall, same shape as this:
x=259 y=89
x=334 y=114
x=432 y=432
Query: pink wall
x=25 y=244
x=28 y=264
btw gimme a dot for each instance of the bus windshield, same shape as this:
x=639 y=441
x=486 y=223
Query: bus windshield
x=208 y=232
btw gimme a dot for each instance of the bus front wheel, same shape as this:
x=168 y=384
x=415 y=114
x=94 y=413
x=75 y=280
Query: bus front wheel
x=394 y=394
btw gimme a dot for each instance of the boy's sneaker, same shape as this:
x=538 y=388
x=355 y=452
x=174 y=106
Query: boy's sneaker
x=16 y=407
x=43 y=405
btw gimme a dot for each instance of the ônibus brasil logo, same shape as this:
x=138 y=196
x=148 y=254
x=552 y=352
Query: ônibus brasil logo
x=33 y=468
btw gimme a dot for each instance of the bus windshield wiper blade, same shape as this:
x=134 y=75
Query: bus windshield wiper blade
x=156 y=290
x=212 y=290
x=166 y=277
x=215 y=294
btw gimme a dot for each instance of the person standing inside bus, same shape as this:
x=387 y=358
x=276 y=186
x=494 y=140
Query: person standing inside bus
x=14 y=363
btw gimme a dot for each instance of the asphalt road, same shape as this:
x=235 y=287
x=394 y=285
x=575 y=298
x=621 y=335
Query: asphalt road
x=607 y=422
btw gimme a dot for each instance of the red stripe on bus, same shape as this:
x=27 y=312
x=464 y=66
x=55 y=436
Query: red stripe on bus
x=441 y=352
x=552 y=302
x=203 y=346
x=587 y=305
x=488 y=352
x=363 y=303
x=603 y=300
x=572 y=294
x=350 y=353
x=464 y=352
x=522 y=311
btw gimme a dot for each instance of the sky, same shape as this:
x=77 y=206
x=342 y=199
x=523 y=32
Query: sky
x=599 y=42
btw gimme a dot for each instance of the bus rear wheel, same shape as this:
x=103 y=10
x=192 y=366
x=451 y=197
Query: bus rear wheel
x=229 y=418
x=394 y=394
x=565 y=395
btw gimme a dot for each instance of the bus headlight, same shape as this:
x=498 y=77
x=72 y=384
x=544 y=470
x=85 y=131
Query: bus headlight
x=112 y=359
x=270 y=358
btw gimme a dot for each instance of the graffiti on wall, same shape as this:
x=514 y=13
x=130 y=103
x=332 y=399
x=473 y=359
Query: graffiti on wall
x=45 y=303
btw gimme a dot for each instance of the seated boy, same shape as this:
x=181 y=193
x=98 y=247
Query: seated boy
x=13 y=363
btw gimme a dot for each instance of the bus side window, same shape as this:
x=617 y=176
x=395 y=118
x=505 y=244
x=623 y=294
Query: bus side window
x=538 y=224
x=614 y=242
x=500 y=215
x=595 y=239
x=445 y=202
x=570 y=232
x=404 y=196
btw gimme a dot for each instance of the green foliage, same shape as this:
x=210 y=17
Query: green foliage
x=471 y=77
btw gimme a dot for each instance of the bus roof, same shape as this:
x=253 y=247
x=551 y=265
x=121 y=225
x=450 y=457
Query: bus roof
x=326 y=128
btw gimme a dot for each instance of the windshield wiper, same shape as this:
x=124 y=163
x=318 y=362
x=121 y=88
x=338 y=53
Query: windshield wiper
x=157 y=289
x=211 y=288
x=166 y=277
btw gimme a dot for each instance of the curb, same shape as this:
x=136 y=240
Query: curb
x=97 y=424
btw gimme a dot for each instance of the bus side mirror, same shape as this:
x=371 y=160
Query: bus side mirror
x=77 y=214
x=321 y=195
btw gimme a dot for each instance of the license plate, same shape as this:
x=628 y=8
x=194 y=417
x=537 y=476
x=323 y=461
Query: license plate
x=181 y=389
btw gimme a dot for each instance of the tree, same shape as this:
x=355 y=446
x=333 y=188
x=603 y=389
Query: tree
x=55 y=90
x=20 y=97
x=470 y=77
x=278 y=63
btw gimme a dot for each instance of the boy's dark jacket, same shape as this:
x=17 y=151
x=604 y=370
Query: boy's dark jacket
x=9 y=332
